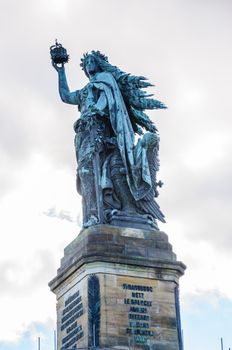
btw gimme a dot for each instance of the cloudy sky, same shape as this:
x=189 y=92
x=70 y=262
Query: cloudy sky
x=184 y=48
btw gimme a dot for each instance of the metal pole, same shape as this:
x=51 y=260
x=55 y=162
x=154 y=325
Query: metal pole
x=182 y=332
x=222 y=344
x=38 y=343
x=54 y=340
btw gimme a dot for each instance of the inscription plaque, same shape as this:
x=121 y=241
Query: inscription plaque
x=71 y=326
x=139 y=315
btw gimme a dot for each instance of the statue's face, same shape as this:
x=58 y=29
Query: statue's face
x=91 y=65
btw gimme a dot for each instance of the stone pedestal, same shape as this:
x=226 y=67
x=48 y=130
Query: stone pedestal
x=117 y=288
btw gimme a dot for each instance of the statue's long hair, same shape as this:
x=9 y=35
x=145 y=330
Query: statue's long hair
x=136 y=100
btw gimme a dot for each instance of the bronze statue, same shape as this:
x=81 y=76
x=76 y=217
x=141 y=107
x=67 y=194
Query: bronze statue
x=116 y=176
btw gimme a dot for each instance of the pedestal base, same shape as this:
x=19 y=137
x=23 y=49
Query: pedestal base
x=117 y=288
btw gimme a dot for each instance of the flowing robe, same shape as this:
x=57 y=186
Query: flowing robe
x=111 y=122
x=134 y=157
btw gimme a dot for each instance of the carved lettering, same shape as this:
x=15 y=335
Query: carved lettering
x=138 y=302
x=141 y=310
x=138 y=325
x=138 y=317
x=71 y=306
x=72 y=297
x=137 y=287
x=69 y=329
x=137 y=295
x=139 y=331
x=65 y=339
x=72 y=311
x=74 y=340
x=140 y=339
x=72 y=319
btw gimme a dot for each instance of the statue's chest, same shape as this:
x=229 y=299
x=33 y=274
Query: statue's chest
x=88 y=96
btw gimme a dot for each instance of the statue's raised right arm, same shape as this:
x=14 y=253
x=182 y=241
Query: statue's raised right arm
x=65 y=94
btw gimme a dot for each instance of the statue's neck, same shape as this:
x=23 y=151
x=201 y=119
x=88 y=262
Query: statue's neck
x=94 y=76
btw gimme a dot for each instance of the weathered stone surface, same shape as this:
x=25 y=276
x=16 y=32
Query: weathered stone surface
x=138 y=275
x=121 y=245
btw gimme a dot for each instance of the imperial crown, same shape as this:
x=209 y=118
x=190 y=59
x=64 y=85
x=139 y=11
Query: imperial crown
x=58 y=54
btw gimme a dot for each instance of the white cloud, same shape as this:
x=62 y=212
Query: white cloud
x=20 y=311
x=207 y=265
x=207 y=151
x=32 y=245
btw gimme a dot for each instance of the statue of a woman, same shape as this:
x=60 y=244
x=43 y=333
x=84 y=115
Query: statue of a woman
x=115 y=176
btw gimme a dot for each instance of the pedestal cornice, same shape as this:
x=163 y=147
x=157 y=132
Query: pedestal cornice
x=119 y=246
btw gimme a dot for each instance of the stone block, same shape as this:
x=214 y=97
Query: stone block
x=126 y=279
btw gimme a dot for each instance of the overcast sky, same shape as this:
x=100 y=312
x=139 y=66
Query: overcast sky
x=184 y=48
